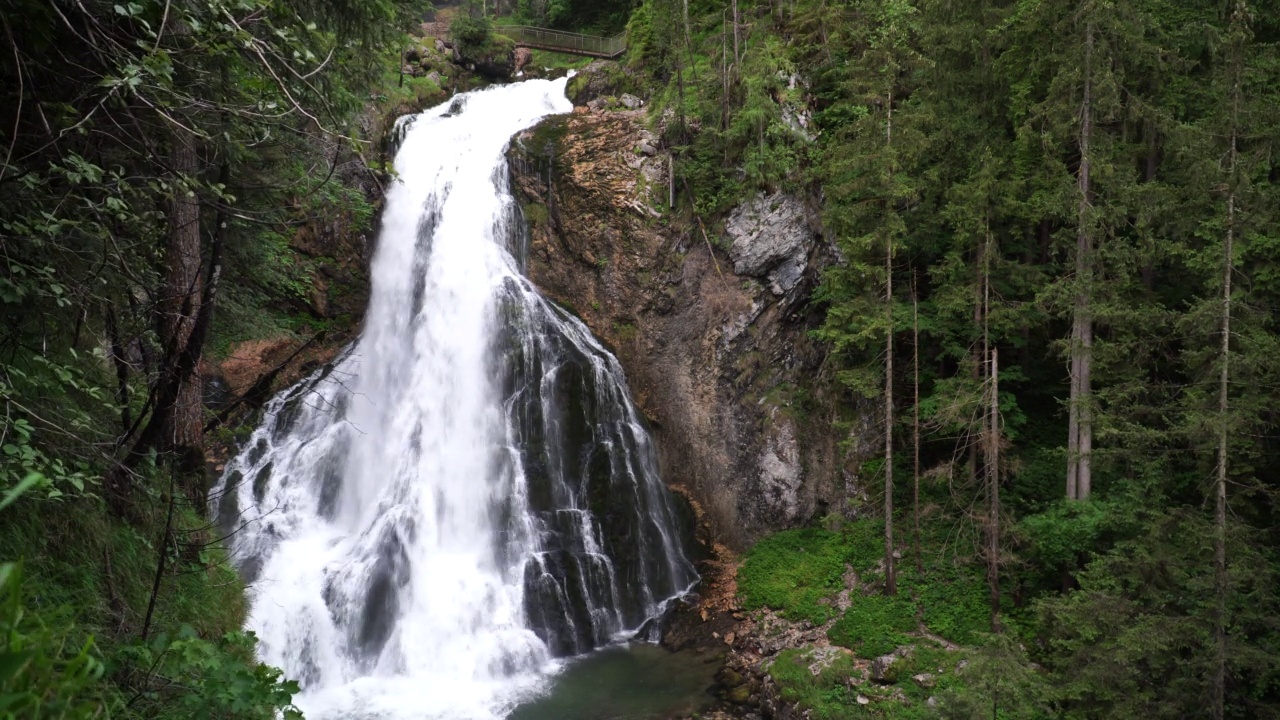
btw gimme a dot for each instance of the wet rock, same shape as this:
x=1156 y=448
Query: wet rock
x=708 y=356
x=772 y=239
x=522 y=58
x=740 y=695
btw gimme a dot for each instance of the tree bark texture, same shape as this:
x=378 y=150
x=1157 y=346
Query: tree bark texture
x=1080 y=418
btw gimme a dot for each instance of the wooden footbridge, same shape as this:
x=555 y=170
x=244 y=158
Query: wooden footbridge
x=565 y=42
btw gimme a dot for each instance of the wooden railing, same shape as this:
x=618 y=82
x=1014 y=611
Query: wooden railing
x=565 y=42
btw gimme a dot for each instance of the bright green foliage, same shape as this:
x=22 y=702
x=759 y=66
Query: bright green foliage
x=954 y=604
x=221 y=680
x=470 y=29
x=44 y=673
x=825 y=695
x=874 y=625
x=834 y=690
x=599 y=17
x=795 y=572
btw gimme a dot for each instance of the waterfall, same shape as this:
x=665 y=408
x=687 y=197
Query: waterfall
x=467 y=493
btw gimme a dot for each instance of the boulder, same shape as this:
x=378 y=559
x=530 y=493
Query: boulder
x=603 y=78
x=880 y=667
x=522 y=58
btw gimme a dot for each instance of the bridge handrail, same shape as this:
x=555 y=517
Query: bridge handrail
x=590 y=44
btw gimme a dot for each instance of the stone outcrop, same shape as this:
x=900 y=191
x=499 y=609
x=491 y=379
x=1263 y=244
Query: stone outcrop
x=713 y=329
x=771 y=240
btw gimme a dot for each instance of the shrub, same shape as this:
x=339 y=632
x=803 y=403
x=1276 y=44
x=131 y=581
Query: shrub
x=469 y=32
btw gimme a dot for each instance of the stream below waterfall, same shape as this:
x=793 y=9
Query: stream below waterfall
x=460 y=518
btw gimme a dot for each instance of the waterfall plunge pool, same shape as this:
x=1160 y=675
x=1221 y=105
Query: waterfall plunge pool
x=638 y=681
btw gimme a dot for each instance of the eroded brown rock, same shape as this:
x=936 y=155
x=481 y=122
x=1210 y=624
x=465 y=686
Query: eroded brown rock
x=722 y=365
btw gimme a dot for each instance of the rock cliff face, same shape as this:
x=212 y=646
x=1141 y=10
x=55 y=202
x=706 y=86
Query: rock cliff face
x=712 y=327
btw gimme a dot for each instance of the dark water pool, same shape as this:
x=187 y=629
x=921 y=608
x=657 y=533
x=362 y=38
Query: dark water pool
x=638 y=682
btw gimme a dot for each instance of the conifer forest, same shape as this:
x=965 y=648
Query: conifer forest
x=1016 y=386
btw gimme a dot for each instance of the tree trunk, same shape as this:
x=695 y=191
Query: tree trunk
x=890 y=571
x=1224 y=385
x=993 y=492
x=915 y=420
x=1080 y=420
x=688 y=33
x=1220 y=510
x=991 y=437
x=737 y=54
x=181 y=295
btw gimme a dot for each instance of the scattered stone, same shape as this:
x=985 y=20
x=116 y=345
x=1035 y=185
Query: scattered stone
x=630 y=102
x=703 y=614
x=728 y=638
x=715 y=634
x=864 y=700
x=440 y=46
x=925 y=680
x=647 y=149
x=932 y=701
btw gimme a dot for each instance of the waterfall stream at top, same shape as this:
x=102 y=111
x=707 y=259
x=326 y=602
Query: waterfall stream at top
x=467 y=493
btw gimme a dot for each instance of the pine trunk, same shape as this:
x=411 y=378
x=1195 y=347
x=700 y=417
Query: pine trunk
x=1224 y=385
x=915 y=421
x=890 y=571
x=1080 y=420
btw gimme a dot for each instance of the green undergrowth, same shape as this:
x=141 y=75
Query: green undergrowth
x=795 y=572
x=74 y=594
x=875 y=624
x=826 y=695
x=833 y=691
x=557 y=60
x=798 y=573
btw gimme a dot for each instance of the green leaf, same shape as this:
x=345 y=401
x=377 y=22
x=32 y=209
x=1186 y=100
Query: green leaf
x=27 y=483
x=12 y=663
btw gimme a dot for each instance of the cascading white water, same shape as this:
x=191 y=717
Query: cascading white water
x=467 y=493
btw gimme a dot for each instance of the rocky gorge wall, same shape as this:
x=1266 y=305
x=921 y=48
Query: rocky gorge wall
x=712 y=328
